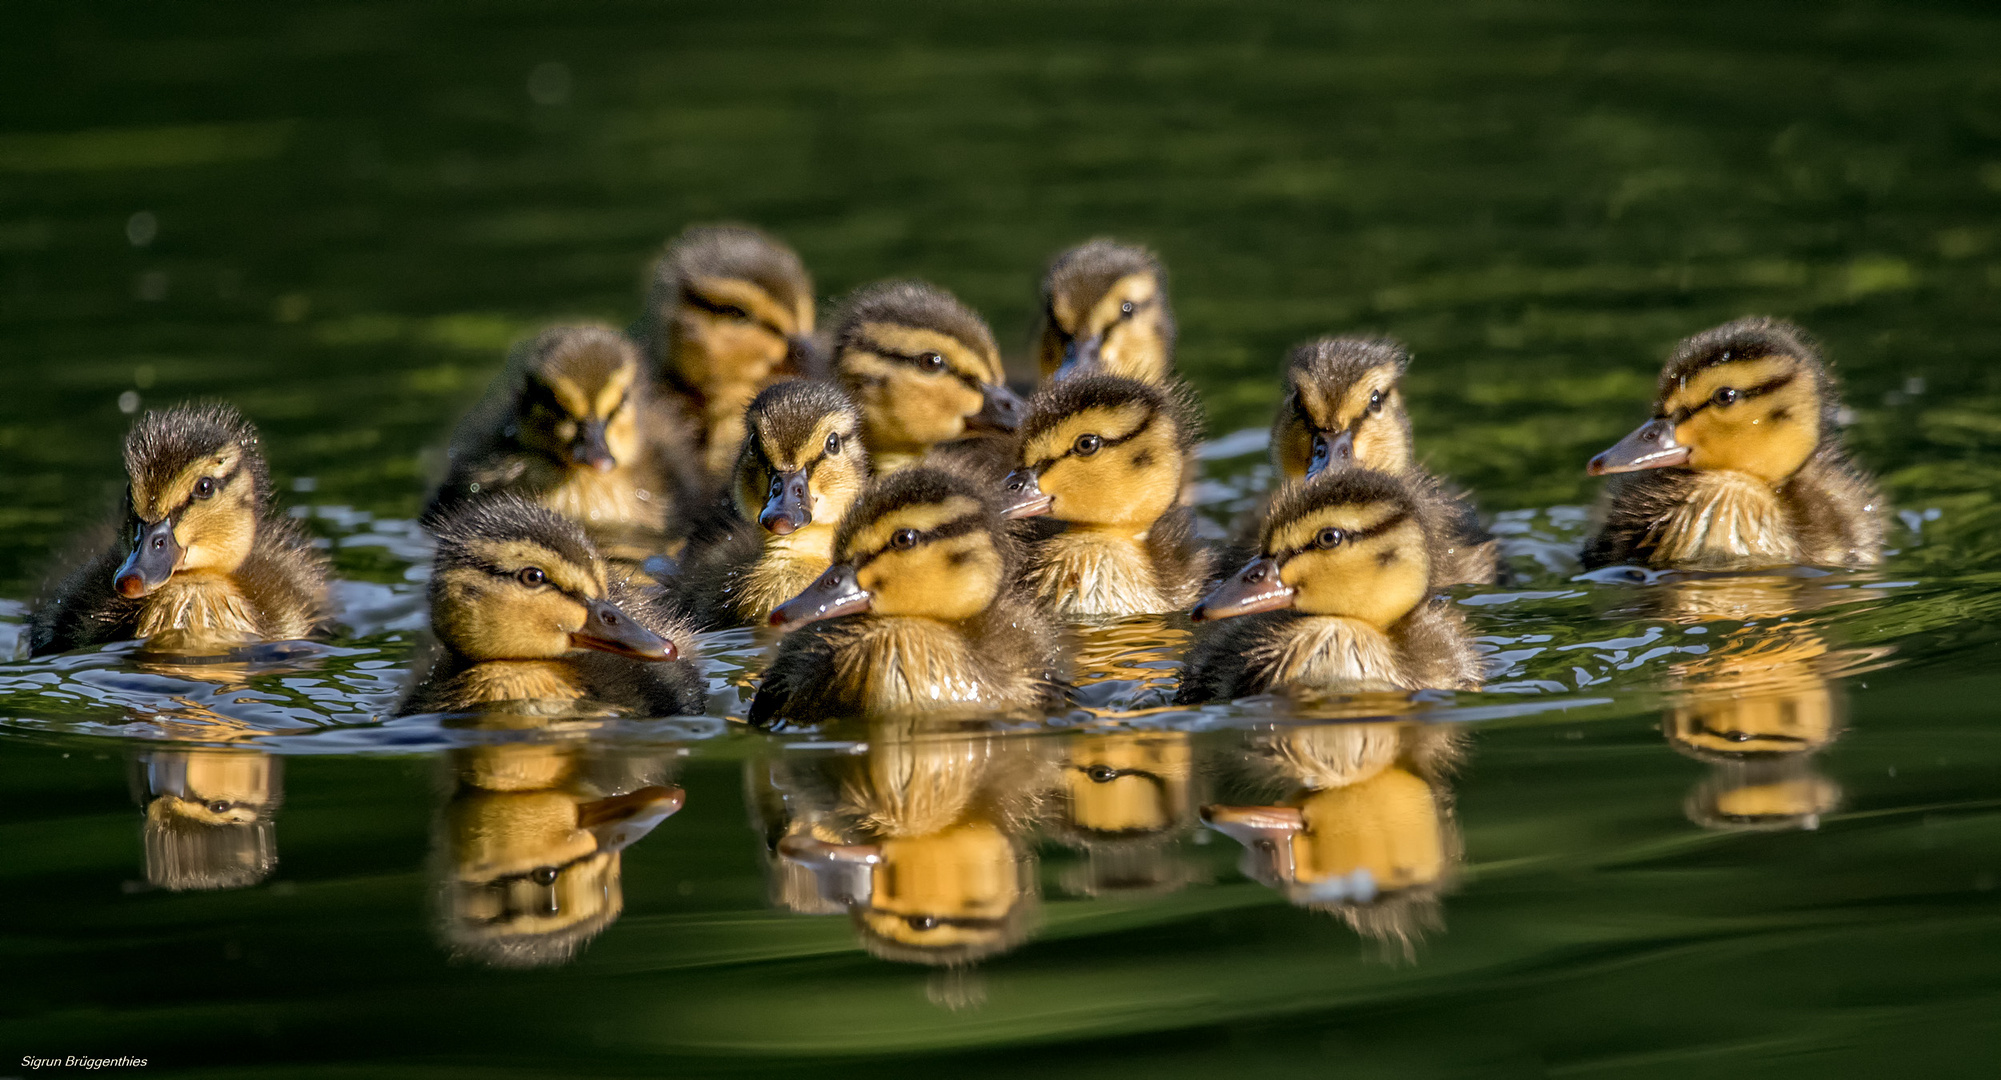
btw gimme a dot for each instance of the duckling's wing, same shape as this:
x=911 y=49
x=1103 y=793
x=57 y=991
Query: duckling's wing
x=1435 y=648
x=712 y=567
x=799 y=683
x=83 y=608
x=1628 y=511
x=1184 y=565
x=285 y=580
x=1837 y=510
x=1465 y=552
x=1219 y=666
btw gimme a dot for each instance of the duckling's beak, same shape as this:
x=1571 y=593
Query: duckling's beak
x=590 y=449
x=1253 y=589
x=791 y=504
x=621 y=820
x=1263 y=830
x=155 y=554
x=1000 y=410
x=613 y=631
x=1023 y=495
x=1335 y=451
x=1650 y=446
x=840 y=870
x=1080 y=356
x=836 y=593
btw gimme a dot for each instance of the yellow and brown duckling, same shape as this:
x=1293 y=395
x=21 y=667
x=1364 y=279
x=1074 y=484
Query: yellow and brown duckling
x=573 y=425
x=729 y=311
x=801 y=466
x=522 y=611
x=1341 y=599
x=1105 y=309
x=926 y=373
x=1344 y=408
x=200 y=563
x=1103 y=460
x=920 y=612
x=1742 y=465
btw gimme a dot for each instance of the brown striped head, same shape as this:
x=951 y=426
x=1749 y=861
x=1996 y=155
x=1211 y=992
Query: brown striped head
x=197 y=489
x=578 y=397
x=1343 y=408
x=1105 y=309
x=730 y=308
x=1102 y=450
x=802 y=462
x=923 y=367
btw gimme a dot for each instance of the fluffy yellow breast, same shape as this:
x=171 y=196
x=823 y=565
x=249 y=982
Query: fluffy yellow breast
x=1330 y=652
x=1730 y=521
x=1084 y=572
x=897 y=663
x=607 y=498
x=789 y=564
x=519 y=680
x=201 y=609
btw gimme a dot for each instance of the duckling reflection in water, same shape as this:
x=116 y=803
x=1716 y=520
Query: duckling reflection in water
x=921 y=611
x=572 y=424
x=1125 y=799
x=531 y=862
x=1101 y=465
x=728 y=313
x=927 y=849
x=926 y=372
x=522 y=611
x=1367 y=832
x=1341 y=600
x=1105 y=309
x=200 y=563
x=209 y=817
x=801 y=466
x=1742 y=466
x=1343 y=409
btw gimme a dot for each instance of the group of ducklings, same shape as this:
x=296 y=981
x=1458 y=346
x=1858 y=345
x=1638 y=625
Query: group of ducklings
x=875 y=489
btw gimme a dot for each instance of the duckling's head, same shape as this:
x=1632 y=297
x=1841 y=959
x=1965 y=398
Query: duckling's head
x=1102 y=450
x=950 y=897
x=577 y=393
x=1347 y=543
x=513 y=581
x=920 y=542
x=923 y=367
x=198 y=487
x=1750 y=396
x=730 y=308
x=1343 y=408
x=1104 y=308
x=209 y=818
x=802 y=460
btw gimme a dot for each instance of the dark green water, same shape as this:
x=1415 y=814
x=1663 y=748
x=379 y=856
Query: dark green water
x=339 y=216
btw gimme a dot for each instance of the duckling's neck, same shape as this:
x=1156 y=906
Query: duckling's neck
x=1098 y=570
x=788 y=564
x=518 y=680
x=1727 y=521
x=618 y=496
x=196 y=610
x=1332 y=652
x=896 y=663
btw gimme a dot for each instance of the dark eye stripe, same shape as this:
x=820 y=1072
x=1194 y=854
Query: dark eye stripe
x=1103 y=445
x=1348 y=537
x=956 y=527
x=1682 y=416
x=866 y=345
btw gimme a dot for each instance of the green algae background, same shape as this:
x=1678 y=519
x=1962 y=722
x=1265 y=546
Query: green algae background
x=339 y=216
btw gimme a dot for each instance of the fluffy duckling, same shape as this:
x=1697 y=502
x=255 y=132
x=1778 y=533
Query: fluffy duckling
x=1343 y=408
x=573 y=425
x=801 y=466
x=1339 y=600
x=925 y=370
x=1103 y=460
x=200 y=562
x=522 y=611
x=1742 y=465
x=919 y=612
x=729 y=311
x=1104 y=308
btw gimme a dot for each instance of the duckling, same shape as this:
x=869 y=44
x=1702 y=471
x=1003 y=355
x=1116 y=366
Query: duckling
x=919 y=612
x=522 y=611
x=1104 y=308
x=1343 y=408
x=572 y=424
x=1340 y=600
x=801 y=466
x=1742 y=465
x=926 y=372
x=209 y=817
x=729 y=311
x=201 y=562
x=1103 y=458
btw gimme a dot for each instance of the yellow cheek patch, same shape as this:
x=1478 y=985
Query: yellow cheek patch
x=1109 y=424
x=923 y=517
x=513 y=556
x=1135 y=289
x=752 y=300
x=916 y=341
x=1355 y=403
x=1377 y=580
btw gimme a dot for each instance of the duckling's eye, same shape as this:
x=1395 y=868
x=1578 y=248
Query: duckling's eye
x=1330 y=537
x=1375 y=401
x=930 y=362
x=921 y=922
x=903 y=538
x=533 y=577
x=205 y=487
x=1102 y=774
x=1724 y=396
x=1126 y=308
x=543 y=875
x=833 y=442
x=1087 y=445
x=219 y=806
